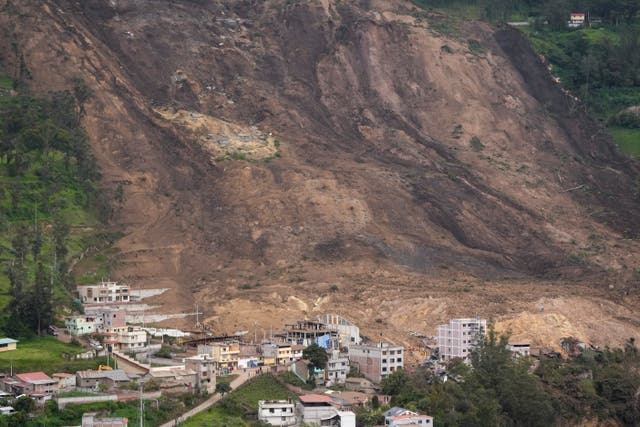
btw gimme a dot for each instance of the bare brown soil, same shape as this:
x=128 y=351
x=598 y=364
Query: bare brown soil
x=422 y=176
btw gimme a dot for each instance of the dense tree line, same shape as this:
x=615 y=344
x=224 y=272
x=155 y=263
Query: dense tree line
x=498 y=389
x=47 y=174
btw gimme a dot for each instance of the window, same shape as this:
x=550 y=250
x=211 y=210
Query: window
x=399 y=359
x=384 y=369
x=271 y=410
x=283 y=418
x=384 y=360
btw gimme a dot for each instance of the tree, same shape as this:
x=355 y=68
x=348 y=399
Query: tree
x=223 y=388
x=41 y=300
x=317 y=357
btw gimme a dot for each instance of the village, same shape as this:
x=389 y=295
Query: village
x=144 y=363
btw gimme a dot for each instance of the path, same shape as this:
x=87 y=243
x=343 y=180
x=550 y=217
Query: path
x=237 y=382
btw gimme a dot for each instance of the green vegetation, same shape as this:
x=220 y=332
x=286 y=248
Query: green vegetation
x=232 y=410
x=628 y=140
x=50 y=206
x=498 y=389
x=156 y=413
x=45 y=354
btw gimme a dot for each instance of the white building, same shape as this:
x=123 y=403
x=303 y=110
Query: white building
x=277 y=412
x=519 y=348
x=337 y=367
x=348 y=333
x=460 y=337
x=104 y=292
x=395 y=417
x=128 y=339
x=377 y=361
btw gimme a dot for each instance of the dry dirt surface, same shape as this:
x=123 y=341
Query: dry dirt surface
x=422 y=176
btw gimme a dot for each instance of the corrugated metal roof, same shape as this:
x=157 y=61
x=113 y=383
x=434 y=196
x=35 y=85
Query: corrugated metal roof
x=34 y=376
x=7 y=341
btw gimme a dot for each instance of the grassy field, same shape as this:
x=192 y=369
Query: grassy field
x=628 y=140
x=231 y=410
x=45 y=354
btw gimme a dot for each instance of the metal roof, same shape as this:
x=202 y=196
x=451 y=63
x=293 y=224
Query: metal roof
x=7 y=341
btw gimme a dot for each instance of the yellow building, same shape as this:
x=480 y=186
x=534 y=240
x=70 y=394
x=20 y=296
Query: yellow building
x=8 y=344
x=226 y=355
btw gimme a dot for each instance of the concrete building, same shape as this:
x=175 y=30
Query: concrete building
x=8 y=344
x=38 y=383
x=348 y=332
x=104 y=293
x=519 y=348
x=458 y=338
x=277 y=412
x=128 y=339
x=92 y=420
x=205 y=368
x=396 y=416
x=91 y=379
x=81 y=325
x=110 y=318
x=318 y=409
x=225 y=354
x=376 y=362
x=307 y=332
x=65 y=381
x=337 y=367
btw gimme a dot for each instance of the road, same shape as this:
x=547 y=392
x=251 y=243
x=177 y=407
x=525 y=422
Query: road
x=237 y=382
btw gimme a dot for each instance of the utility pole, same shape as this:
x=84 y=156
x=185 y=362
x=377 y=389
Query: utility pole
x=141 y=406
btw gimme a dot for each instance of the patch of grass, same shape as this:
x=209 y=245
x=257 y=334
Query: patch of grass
x=231 y=410
x=5 y=82
x=475 y=47
x=45 y=354
x=627 y=139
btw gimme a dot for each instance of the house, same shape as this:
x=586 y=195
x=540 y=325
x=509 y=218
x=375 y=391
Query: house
x=576 y=20
x=91 y=379
x=277 y=412
x=81 y=325
x=337 y=368
x=129 y=339
x=204 y=367
x=376 y=362
x=458 y=338
x=8 y=344
x=348 y=332
x=65 y=381
x=396 y=416
x=319 y=409
x=359 y=384
x=225 y=354
x=519 y=348
x=174 y=376
x=284 y=354
x=104 y=292
x=109 y=318
x=92 y=420
x=38 y=383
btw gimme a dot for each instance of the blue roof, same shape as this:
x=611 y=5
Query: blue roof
x=7 y=341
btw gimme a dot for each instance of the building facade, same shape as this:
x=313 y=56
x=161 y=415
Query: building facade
x=458 y=338
x=348 y=332
x=376 y=362
x=81 y=325
x=396 y=417
x=225 y=354
x=337 y=367
x=104 y=293
x=8 y=344
x=205 y=368
x=277 y=412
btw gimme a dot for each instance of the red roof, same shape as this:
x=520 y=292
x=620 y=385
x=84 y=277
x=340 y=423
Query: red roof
x=315 y=398
x=33 y=376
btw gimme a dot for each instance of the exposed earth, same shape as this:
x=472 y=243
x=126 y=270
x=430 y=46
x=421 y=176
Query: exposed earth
x=285 y=158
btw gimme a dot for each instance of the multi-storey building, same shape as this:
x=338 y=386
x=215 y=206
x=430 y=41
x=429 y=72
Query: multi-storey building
x=205 y=368
x=104 y=293
x=81 y=325
x=348 y=332
x=337 y=367
x=225 y=354
x=127 y=339
x=307 y=332
x=377 y=361
x=38 y=383
x=277 y=412
x=458 y=338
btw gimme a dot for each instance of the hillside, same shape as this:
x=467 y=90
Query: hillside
x=271 y=152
